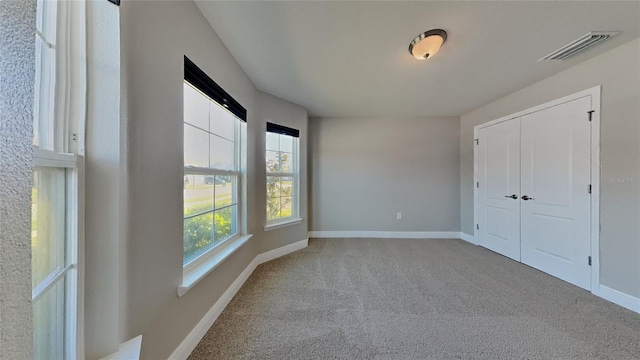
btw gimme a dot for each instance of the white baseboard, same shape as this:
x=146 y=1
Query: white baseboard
x=386 y=234
x=129 y=350
x=185 y=348
x=618 y=297
x=468 y=238
x=281 y=251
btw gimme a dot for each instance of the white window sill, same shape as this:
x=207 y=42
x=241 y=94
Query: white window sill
x=281 y=224
x=193 y=274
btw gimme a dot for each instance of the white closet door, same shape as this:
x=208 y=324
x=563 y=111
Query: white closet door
x=555 y=177
x=499 y=188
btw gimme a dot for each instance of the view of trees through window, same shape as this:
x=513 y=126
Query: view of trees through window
x=205 y=227
x=280 y=162
x=48 y=260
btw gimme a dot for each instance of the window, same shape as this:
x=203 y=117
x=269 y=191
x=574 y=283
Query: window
x=213 y=122
x=57 y=177
x=282 y=173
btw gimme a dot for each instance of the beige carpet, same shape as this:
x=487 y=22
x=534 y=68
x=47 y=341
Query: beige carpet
x=414 y=299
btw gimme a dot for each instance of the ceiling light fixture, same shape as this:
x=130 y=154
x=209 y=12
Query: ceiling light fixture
x=427 y=44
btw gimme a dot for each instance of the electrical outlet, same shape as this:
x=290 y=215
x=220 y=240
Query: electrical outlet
x=399 y=215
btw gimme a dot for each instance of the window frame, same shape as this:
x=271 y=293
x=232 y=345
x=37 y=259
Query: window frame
x=60 y=111
x=271 y=224
x=207 y=171
x=196 y=268
x=72 y=272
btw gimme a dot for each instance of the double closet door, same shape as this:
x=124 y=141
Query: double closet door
x=533 y=190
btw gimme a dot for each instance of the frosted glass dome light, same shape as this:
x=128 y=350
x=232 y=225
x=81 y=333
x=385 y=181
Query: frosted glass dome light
x=427 y=44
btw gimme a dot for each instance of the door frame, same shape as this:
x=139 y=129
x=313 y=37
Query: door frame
x=594 y=93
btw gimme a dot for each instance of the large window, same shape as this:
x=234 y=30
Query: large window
x=57 y=177
x=212 y=131
x=282 y=173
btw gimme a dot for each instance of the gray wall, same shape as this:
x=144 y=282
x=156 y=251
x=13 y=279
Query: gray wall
x=619 y=73
x=365 y=170
x=103 y=170
x=17 y=71
x=154 y=37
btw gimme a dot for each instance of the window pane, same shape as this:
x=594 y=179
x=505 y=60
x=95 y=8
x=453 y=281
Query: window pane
x=210 y=200
x=46 y=19
x=224 y=191
x=196 y=147
x=225 y=223
x=198 y=194
x=286 y=186
x=286 y=162
x=48 y=223
x=286 y=143
x=43 y=135
x=273 y=186
x=48 y=323
x=196 y=108
x=197 y=235
x=273 y=162
x=222 y=121
x=43 y=126
x=273 y=208
x=286 y=206
x=222 y=153
x=273 y=141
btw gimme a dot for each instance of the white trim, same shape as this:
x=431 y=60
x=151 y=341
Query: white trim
x=594 y=94
x=468 y=238
x=618 y=297
x=595 y=188
x=280 y=224
x=48 y=158
x=386 y=234
x=129 y=350
x=193 y=338
x=44 y=40
x=282 y=251
x=70 y=77
x=202 y=267
x=76 y=229
x=49 y=281
x=476 y=233
x=206 y=256
x=585 y=93
x=185 y=348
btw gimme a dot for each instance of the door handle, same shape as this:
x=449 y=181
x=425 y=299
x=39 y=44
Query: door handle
x=525 y=198
x=514 y=196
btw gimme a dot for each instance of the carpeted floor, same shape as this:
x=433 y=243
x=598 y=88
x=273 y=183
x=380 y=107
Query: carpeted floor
x=414 y=299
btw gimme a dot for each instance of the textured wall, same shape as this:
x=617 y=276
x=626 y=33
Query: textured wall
x=17 y=60
x=618 y=71
x=365 y=170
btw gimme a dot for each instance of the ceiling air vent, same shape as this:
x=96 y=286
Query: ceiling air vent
x=579 y=45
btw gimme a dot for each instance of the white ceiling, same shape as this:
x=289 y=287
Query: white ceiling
x=340 y=58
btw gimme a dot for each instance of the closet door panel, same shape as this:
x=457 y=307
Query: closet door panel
x=555 y=202
x=498 y=184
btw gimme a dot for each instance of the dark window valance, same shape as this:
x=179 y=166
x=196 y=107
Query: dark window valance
x=198 y=78
x=279 y=129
